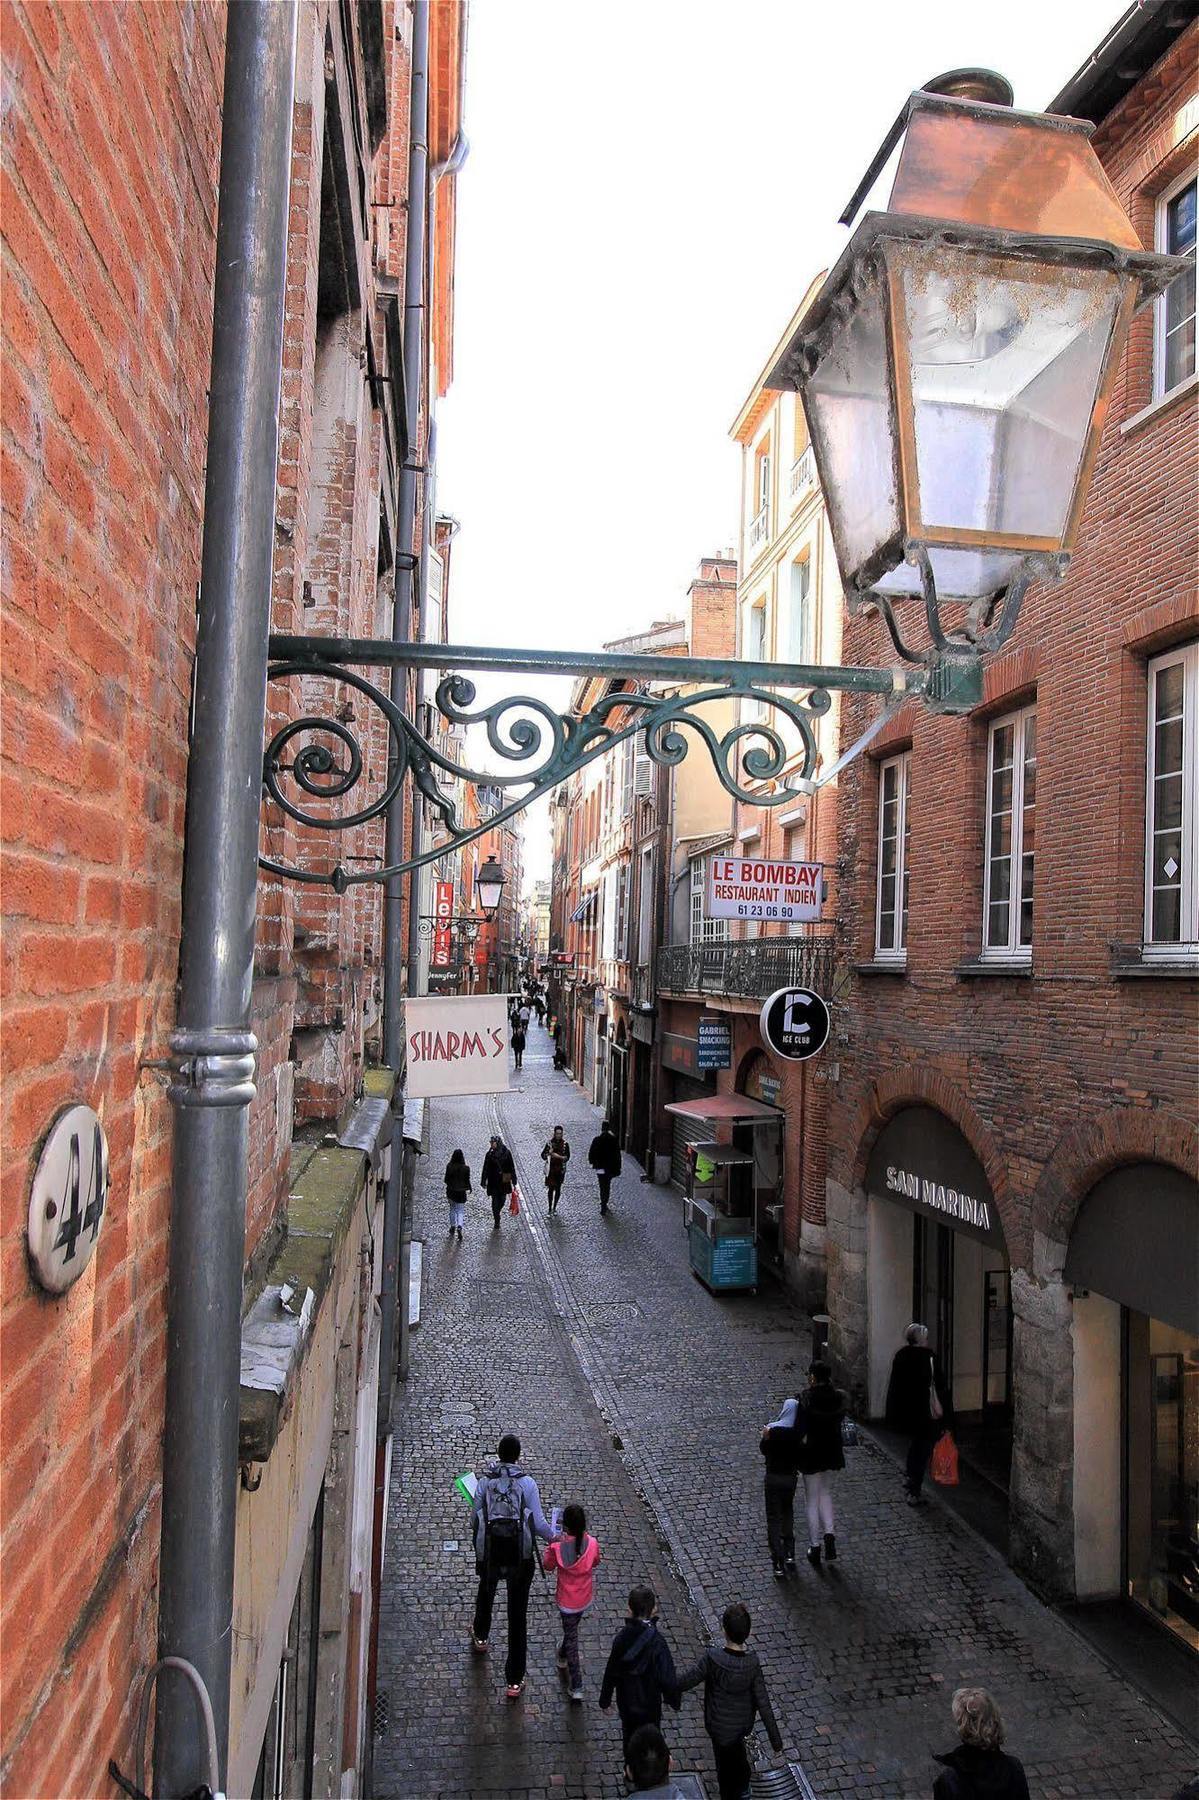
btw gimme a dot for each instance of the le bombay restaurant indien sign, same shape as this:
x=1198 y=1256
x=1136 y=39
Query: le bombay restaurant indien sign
x=754 y=887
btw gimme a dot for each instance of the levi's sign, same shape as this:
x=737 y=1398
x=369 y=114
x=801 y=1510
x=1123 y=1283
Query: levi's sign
x=456 y=1045
x=749 y=887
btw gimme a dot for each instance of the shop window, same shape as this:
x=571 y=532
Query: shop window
x=1174 y=335
x=1011 y=837
x=894 y=837
x=1171 y=829
x=285 y=1765
x=703 y=930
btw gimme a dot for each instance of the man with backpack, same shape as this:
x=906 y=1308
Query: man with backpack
x=506 y=1520
x=604 y=1157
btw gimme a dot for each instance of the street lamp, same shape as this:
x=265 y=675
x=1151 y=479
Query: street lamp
x=489 y=885
x=957 y=365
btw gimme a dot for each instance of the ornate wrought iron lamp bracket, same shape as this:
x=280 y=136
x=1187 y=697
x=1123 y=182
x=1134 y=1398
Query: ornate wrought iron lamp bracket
x=551 y=746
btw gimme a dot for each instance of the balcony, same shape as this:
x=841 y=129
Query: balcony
x=758 y=529
x=748 y=971
x=803 y=474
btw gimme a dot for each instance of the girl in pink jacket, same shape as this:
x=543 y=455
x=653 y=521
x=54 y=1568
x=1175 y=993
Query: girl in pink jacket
x=574 y=1555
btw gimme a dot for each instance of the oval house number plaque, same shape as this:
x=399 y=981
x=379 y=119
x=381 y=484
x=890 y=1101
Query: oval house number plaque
x=66 y=1207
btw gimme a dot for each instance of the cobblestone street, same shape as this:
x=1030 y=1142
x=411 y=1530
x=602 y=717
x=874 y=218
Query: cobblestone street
x=639 y=1394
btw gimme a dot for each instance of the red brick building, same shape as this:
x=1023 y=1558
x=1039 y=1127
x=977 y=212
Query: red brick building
x=1012 y=1143
x=111 y=158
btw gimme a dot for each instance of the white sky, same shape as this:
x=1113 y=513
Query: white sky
x=650 y=188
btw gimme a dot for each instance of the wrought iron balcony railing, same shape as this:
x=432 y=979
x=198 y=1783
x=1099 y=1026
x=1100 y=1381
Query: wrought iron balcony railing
x=643 y=985
x=748 y=971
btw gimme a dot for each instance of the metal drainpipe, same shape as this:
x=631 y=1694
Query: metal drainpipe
x=397 y=1197
x=213 y=1046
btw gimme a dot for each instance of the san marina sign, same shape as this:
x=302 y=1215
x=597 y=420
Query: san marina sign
x=937 y=1197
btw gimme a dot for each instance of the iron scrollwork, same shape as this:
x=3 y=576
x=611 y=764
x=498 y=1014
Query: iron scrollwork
x=549 y=745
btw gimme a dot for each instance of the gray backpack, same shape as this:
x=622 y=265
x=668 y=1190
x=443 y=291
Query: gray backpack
x=503 y=1513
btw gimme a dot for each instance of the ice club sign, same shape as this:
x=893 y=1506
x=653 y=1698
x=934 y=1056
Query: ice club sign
x=795 y=1023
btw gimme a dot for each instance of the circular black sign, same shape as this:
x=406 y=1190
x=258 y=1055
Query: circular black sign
x=795 y=1023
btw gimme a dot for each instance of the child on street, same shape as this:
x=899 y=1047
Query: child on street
x=640 y=1670
x=575 y=1555
x=734 y=1693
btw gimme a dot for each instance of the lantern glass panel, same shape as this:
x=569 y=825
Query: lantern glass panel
x=848 y=399
x=1005 y=361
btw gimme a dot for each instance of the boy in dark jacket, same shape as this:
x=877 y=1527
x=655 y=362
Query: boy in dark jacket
x=640 y=1670
x=734 y=1693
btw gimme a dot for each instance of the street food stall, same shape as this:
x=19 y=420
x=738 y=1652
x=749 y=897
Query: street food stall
x=733 y=1188
x=716 y=1212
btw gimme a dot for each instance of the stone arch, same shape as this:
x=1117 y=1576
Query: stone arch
x=1086 y=1153
x=755 y=1057
x=928 y=1087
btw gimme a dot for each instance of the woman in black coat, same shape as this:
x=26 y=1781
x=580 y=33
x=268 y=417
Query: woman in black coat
x=821 y=1410
x=498 y=1177
x=918 y=1404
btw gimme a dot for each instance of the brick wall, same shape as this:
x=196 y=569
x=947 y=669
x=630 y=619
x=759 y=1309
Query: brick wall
x=1024 y=1065
x=110 y=159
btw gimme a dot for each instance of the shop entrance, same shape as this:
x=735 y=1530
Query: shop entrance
x=936 y=1254
x=1135 y=1277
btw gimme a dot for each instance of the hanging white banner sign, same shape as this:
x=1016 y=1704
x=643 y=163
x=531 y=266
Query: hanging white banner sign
x=755 y=887
x=456 y=1045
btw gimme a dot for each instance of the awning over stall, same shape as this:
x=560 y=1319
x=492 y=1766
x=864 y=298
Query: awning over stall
x=730 y=1107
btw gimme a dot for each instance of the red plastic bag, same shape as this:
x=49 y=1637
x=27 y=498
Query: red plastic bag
x=514 y=1201
x=945 y=1461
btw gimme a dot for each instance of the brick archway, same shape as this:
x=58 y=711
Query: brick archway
x=927 y=1087
x=1083 y=1155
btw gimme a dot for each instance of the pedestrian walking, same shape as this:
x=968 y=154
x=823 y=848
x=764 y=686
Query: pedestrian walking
x=506 y=1521
x=555 y=1155
x=498 y=1177
x=539 y=1008
x=977 y=1769
x=734 y=1695
x=648 y=1765
x=575 y=1555
x=780 y=1446
x=640 y=1670
x=518 y=1041
x=821 y=1410
x=457 y=1187
x=918 y=1404
x=604 y=1157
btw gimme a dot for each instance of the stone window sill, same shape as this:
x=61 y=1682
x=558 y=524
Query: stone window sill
x=880 y=968
x=975 y=969
x=1163 y=404
x=1130 y=962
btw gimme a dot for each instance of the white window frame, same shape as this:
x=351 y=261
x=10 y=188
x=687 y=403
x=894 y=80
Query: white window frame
x=702 y=930
x=1013 y=951
x=1186 y=945
x=896 y=953
x=1160 y=390
x=801 y=605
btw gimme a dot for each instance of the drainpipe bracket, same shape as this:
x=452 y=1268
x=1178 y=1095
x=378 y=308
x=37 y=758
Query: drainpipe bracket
x=210 y=1067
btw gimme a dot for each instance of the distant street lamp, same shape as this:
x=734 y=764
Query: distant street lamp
x=489 y=885
x=957 y=365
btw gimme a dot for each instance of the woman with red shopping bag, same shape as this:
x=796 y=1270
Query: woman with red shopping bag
x=918 y=1404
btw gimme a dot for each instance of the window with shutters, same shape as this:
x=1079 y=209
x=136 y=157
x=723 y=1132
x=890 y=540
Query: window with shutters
x=1174 y=334
x=1171 y=828
x=891 y=903
x=645 y=906
x=703 y=929
x=1011 y=837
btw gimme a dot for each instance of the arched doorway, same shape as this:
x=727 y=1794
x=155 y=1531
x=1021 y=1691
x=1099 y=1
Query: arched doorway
x=1133 y=1264
x=935 y=1253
